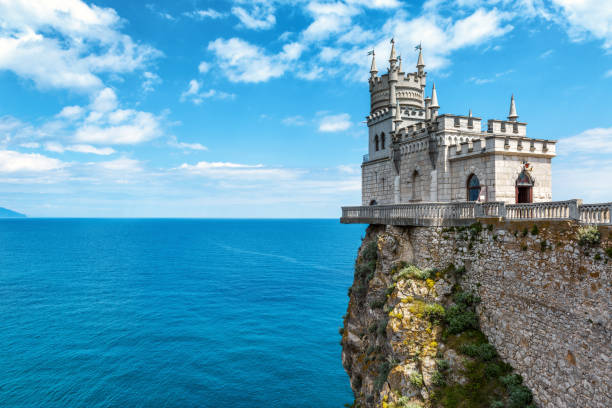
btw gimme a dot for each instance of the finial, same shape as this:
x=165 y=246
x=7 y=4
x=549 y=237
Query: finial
x=398 y=113
x=393 y=57
x=399 y=68
x=470 y=114
x=373 y=69
x=434 y=97
x=512 y=116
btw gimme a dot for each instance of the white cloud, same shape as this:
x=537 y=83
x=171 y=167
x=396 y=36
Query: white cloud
x=13 y=162
x=482 y=81
x=348 y=169
x=134 y=127
x=260 y=18
x=608 y=74
x=78 y=148
x=547 y=53
x=294 y=121
x=204 y=67
x=186 y=146
x=78 y=41
x=329 y=18
x=335 y=123
x=105 y=101
x=594 y=141
x=244 y=62
x=228 y=170
x=202 y=14
x=71 y=112
x=588 y=17
x=195 y=95
x=122 y=164
x=150 y=81
x=30 y=145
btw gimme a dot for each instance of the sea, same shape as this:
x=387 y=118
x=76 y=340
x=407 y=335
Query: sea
x=174 y=312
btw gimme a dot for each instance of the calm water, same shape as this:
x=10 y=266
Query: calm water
x=173 y=313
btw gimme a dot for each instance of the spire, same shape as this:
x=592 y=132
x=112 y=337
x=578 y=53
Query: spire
x=393 y=57
x=470 y=114
x=420 y=63
x=512 y=116
x=399 y=68
x=434 y=98
x=373 y=69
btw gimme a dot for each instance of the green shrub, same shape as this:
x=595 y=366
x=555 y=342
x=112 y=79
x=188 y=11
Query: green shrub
x=520 y=396
x=370 y=252
x=416 y=379
x=372 y=328
x=442 y=364
x=434 y=312
x=490 y=227
x=543 y=245
x=609 y=252
x=597 y=257
x=476 y=228
x=341 y=331
x=535 y=230
x=588 y=236
x=484 y=351
x=438 y=379
x=460 y=320
x=382 y=327
x=497 y=404
x=493 y=370
x=466 y=299
x=413 y=272
x=525 y=232
x=511 y=379
x=404 y=402
x=390 y=290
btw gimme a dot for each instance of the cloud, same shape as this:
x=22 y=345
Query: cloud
x=122 y=164
x=245 y=62
x=587 y=18
x=547 y=53
x=335 y=123
x=150 y=81
x=593 y=141
x=163 y=14
x=203 y=14
x=78 y=148
x=294 y=121
x=348 y=169
x=121 y=127
x=482 y=81
x=203 y=67
x=71 y=112
x=228 y=170
x=186 y=146
x=195 y=95
x=260 y=18
x=79 y=42
x=13 y=162
x=608 y=74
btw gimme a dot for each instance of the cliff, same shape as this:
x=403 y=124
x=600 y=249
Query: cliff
x=492 y=315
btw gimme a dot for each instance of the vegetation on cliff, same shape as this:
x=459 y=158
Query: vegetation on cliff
x=411 y=339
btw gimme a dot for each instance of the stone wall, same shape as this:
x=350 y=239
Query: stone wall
x=546 y=300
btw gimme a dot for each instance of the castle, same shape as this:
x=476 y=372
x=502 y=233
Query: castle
x=418 y=155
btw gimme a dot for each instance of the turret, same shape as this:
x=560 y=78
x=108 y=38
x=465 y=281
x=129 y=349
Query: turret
x=434 y=102
x=399 y=68
x=392 y=75
x=420 y=63
x=512 y=116
x=398 y=117
x=373 y=69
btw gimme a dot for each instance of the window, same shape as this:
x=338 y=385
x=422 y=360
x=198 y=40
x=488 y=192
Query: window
x=515 y=128
x=473 y=187
x=376 y=142
x=382 y=141
x=503 y=127
x=457 y=123
x=415 y=188
x=524 y=188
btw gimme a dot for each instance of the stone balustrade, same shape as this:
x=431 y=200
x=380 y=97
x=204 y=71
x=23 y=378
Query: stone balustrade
x=464 y=213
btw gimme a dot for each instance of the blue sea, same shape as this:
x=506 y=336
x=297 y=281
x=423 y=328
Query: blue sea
x=174 y=313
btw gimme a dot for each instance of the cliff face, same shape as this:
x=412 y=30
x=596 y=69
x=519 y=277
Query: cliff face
x=436 y=314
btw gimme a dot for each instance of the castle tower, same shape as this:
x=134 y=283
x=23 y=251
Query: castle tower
x=512 y=116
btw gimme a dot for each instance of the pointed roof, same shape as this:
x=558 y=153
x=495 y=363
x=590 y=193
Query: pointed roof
x=373 y=69
x=434 y=97
x=512 y=116
x=420 y=63
x=398 y=113
x=393 y=57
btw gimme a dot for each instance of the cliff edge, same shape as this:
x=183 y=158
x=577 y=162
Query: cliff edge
x=438 y=317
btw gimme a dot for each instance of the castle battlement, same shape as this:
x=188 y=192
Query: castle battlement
x=416 y=154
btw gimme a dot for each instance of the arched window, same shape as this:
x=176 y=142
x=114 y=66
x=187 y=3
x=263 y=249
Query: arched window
x=473 y=188
x=382 y=141
x=415 y=187
x=376 y=142
x=373 y=202
x=524 y=187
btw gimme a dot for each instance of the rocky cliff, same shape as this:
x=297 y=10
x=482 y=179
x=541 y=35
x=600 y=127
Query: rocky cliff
x=438 y=317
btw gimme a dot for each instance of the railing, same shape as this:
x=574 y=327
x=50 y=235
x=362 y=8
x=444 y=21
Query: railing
x=462 y=213
x=596 y=213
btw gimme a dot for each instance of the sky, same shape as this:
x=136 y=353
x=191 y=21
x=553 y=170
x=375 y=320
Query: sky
x=193 y=108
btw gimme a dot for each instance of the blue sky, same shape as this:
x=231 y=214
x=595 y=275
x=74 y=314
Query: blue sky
x=195 y=108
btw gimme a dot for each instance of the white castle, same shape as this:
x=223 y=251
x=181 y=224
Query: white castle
x=418 y=155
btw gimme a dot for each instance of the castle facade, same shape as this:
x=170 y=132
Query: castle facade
x=418 y=155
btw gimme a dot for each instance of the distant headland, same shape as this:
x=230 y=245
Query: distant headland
x=6 y=213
